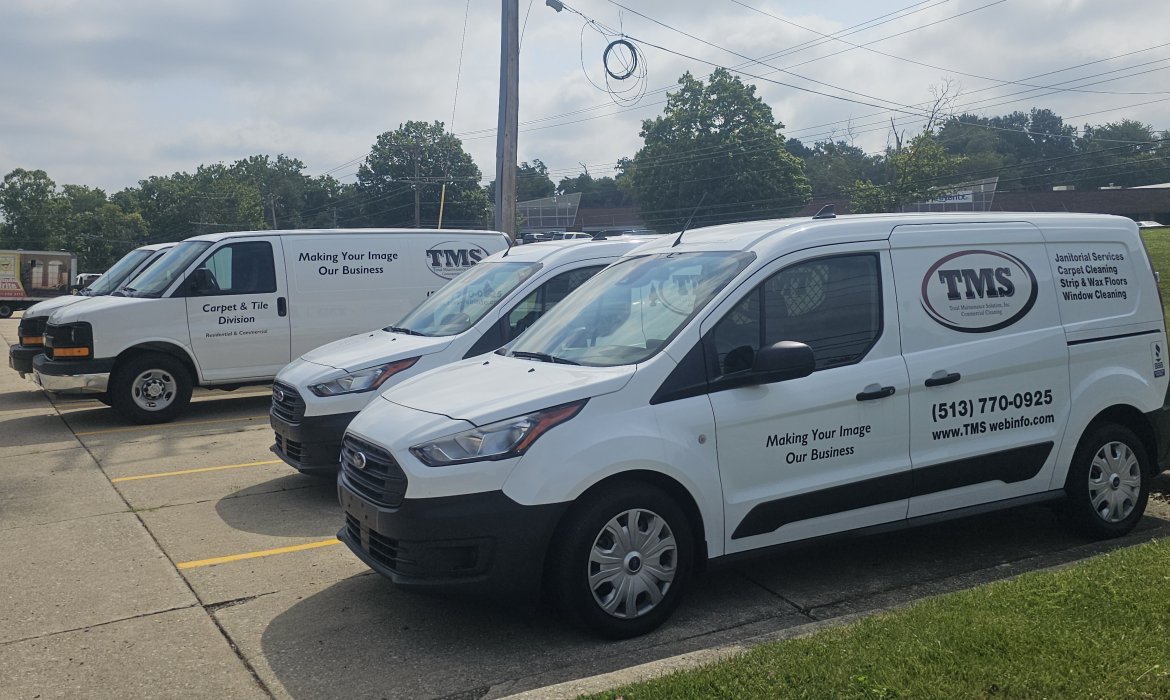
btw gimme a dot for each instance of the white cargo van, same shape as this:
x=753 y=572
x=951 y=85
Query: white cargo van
x=229 y=309
x=30 y=334
x=315 y=397
x=762 y=383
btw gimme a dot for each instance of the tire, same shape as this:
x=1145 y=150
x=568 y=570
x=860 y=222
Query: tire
x=150 y=388
x=591 y=532
x=6 y=311
x=1108 y=483
x=105 y=398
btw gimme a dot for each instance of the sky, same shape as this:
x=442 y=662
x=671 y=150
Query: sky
x=105 y=94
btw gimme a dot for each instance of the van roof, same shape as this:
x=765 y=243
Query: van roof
x=156 y=246
x=806 y=232
x=214 y=237
x=565 y=250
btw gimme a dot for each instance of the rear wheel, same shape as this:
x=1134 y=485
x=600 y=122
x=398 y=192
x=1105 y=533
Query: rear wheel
x=622 y=561
x=1108 y=483
x=150 y=388
x=6 y=311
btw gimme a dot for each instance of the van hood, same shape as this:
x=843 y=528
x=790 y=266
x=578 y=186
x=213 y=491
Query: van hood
x=489 y=388
x=47 y=307
x=374 y=348
x=95 y=305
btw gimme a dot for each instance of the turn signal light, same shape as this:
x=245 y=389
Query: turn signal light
x=33 y=340
x=70 y=352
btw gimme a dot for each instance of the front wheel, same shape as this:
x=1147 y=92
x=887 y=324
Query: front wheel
x=1108 y=483
x=6 y=311
x=622 y=561
x=150 y=388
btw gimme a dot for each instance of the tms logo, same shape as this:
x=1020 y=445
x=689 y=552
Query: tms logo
x=448 y=260
x=978 y=291
x=980 y=283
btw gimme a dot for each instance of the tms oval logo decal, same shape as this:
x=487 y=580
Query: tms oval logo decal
x=448 y=260
x=978 y=291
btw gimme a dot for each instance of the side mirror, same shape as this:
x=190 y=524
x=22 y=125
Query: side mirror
x=783 y=361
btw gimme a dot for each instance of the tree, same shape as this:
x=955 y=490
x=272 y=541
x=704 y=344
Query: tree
x=833 y=166
x=281 y=184
x=532 y=182
x=596 y=193
x=919 y=170
x=418 y=159
x=719 y=140
x=33 y=217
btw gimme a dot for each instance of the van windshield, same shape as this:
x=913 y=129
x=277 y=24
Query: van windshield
x=159 y=276
x=112 y=278
x=460 y=303
x=628 y=311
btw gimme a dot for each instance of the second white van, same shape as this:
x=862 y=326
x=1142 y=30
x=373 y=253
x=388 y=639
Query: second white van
x=316 y=396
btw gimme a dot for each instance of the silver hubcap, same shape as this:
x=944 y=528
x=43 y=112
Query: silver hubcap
x=632 y=563
x=1115 y=482
x=154 y=389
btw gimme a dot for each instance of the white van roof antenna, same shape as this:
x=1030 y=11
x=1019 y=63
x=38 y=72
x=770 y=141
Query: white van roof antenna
x=689 y=218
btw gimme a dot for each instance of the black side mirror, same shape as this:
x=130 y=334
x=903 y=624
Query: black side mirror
x=783 y=361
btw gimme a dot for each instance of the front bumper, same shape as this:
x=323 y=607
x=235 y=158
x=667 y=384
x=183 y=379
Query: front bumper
x=482 y=543
x=313 y=444
x=20 y=357
x=72 y=376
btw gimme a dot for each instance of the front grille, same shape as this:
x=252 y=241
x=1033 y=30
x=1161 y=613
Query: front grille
x=386 y=551
x=32 y=327
x=291 y=448
x=381 y=481
x=289 y=407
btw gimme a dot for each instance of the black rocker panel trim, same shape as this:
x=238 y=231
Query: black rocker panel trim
x=1009 y=466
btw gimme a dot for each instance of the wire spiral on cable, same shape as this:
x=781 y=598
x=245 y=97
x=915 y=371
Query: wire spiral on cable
x=623 y=62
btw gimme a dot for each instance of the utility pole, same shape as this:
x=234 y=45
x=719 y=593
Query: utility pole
x=506 y=128
x=417 y=194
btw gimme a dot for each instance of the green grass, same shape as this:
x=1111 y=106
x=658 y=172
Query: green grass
x=1158 y=244
x=1099 y=629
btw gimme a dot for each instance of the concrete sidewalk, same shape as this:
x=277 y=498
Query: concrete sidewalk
x=90 y=606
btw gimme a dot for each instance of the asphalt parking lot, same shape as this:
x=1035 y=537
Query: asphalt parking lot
x=184 y=560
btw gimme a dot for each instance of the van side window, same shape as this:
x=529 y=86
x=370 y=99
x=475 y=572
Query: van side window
x=833 y=305
x=236 y=268
x=545 y=297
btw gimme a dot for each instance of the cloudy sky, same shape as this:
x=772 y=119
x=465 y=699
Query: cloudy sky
x=107 y=93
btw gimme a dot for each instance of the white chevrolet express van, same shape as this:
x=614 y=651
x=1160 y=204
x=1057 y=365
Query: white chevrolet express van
x=229 y=309
x=315 y=397
x=761 y=383
x=30 y=334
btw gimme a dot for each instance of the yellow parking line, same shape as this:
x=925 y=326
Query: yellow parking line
x=254 y=555
x=156 y=426
x=181 y=472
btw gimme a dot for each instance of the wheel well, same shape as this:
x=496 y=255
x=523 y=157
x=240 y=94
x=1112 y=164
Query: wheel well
x=1135 y=420
x=659 y=480
x=159 y=347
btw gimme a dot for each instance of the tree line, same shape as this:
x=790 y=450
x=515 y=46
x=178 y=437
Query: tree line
x=716 y=154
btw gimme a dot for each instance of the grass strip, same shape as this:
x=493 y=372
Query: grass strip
x=1098 y=629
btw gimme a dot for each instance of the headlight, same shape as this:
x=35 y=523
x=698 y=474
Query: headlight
x=500 y=440
x=362 y=380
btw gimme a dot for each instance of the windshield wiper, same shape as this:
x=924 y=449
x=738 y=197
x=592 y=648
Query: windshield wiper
x=403 y=330
x=543 y=357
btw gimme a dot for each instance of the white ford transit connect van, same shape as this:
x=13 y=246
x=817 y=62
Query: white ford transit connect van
x=315 y=397
x=31 y=332
x=761 y=383
x=229 y=309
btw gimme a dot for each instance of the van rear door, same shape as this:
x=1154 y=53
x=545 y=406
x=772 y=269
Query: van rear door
x=237 y=310
x=988 y=361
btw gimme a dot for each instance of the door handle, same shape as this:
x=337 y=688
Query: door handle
x=281 y=306
x=942 y=377
x=875 y=391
